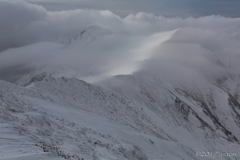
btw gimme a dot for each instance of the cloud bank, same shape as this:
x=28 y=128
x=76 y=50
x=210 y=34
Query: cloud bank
x=171 y=8
x=98 y=43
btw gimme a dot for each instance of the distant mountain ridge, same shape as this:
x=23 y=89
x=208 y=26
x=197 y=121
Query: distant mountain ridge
x=162 y=110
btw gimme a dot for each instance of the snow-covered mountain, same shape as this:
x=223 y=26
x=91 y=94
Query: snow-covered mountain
x=125 y=117
x=58 y=112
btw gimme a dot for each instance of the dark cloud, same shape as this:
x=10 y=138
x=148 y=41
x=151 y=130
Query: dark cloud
x=17 y=21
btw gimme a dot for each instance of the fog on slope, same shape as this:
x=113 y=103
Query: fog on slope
x=93 y=44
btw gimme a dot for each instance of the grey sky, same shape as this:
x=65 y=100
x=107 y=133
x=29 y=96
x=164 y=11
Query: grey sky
x=172 y=8
x=32 y=37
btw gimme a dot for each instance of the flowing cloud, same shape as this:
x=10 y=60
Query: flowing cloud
x=171 y=8
x=97 y=43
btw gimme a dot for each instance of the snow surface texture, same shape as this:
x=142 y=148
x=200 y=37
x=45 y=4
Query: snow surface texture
x=136 y=88
x=138 y=119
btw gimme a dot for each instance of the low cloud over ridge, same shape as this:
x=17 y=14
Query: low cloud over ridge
x=203 y=46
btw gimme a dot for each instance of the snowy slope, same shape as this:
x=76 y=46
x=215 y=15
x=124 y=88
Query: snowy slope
x=125 y=117
x=95 y=109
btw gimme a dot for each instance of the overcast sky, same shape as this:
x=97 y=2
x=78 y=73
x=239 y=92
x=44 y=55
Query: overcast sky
x=36 y=36
x=172 y=8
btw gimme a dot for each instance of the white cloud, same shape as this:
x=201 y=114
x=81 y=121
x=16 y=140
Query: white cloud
x=201 y=47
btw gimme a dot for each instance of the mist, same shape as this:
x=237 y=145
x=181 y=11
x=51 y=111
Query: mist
x=95 y=44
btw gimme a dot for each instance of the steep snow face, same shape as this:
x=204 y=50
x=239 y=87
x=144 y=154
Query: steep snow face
x=125 y=117
x=88 y=34
x=214 y=109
